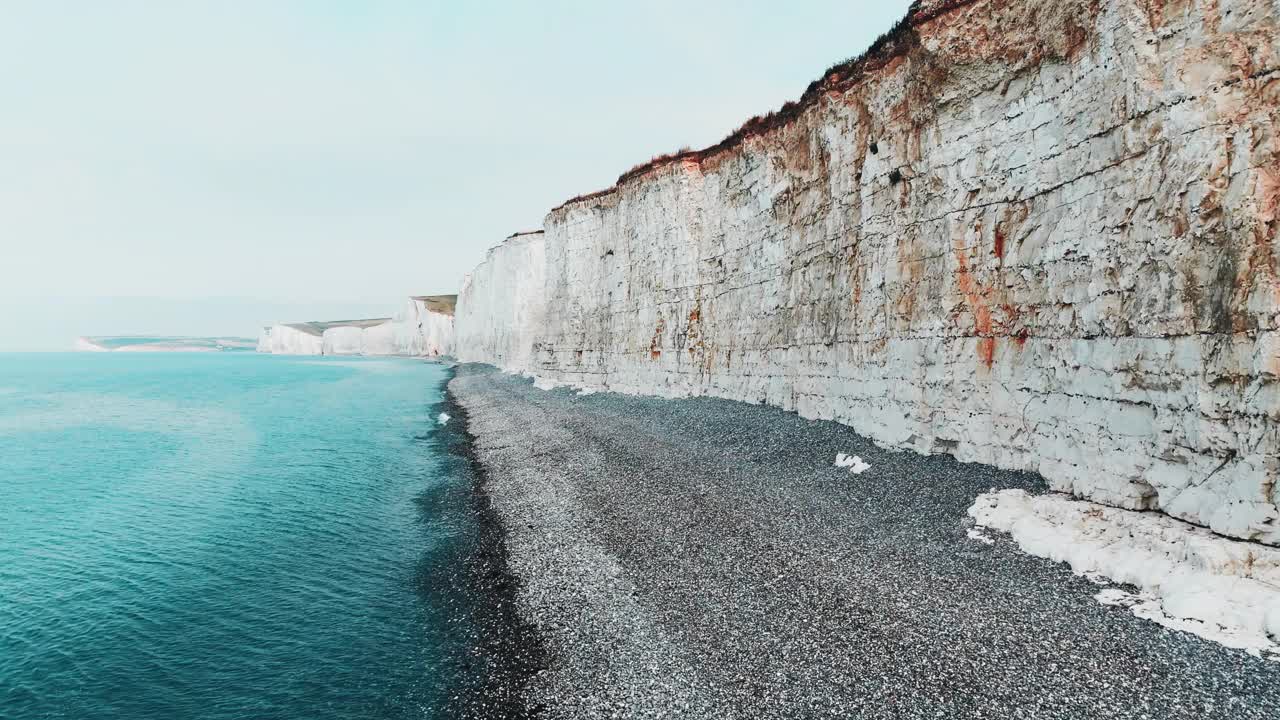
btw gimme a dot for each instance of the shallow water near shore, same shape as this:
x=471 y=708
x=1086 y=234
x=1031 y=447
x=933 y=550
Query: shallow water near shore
x=229 y=535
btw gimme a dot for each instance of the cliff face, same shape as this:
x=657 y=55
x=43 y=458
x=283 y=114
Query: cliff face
x=1040 y=234
x=291 y=339
x=501 y=311
x=423 y=328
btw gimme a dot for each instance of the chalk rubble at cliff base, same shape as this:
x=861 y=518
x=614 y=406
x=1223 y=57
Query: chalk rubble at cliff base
x=704 y=558
x=1189 y=579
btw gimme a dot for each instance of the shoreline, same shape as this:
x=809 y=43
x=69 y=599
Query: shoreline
x=503 y=651
x=704 y=558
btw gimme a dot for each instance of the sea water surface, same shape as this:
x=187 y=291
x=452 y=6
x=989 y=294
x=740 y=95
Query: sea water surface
x=226 y=535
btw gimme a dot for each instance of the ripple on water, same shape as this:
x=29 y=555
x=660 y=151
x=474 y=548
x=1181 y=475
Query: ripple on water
x=215 y=537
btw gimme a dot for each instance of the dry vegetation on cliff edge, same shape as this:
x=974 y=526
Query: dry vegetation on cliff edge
x=898 y=40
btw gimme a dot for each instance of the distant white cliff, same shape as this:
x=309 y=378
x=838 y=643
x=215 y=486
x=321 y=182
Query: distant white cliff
x=423 y=328
x=140 y=343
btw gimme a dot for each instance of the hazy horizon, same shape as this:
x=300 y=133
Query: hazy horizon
x=66 y=319
x=244 y=157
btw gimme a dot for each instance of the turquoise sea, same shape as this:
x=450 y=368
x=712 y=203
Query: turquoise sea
x=229 y=535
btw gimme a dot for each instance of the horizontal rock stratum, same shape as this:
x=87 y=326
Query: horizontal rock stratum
x=1039 y=234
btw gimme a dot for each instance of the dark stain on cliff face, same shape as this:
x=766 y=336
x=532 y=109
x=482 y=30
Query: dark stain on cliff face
x=1214 y=299
x=1242 y=262
x=694 y=336
x=1181 y=224
x=1255 y=270
x=1155 y=13
x=1077 y=37
x=803 y=156
x=693 y=330
x=656 y=342
x=976 y=298
x=987 y=351
x=1007 y=228
x=784 y=206
x=855 y=275
x=909 y=287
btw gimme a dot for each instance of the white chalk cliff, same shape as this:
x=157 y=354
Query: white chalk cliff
x=423 y=328
x=1039 y=234
x=1189 y=578
x=505 y=301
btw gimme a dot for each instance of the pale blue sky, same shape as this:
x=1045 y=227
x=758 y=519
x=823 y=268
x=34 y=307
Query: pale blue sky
x=325 y=154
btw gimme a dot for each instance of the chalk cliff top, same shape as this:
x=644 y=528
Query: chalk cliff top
x=901 y=39
x=316 y=327
x=443 y=304
x=514 y=238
